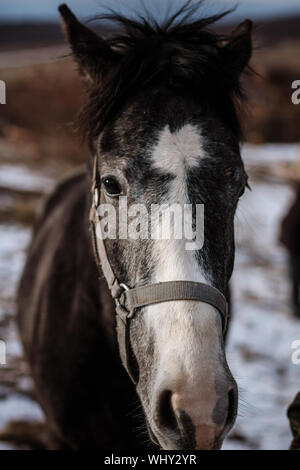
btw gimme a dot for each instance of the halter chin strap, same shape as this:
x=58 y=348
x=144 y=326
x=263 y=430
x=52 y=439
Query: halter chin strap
x=128 y=300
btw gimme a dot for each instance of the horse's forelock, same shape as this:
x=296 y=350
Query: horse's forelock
x=180 y=53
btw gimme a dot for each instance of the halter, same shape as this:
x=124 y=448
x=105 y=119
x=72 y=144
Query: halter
x=128 y=300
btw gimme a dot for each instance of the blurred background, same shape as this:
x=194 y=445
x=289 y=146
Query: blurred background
x=38 y=145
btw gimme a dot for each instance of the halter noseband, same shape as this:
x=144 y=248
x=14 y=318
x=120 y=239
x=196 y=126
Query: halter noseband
x=128 y=300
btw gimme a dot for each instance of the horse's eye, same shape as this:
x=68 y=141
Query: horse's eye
x=111 y=186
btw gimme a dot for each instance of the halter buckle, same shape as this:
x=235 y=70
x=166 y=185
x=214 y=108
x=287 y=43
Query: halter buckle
x=120 y=304
x=122 y=288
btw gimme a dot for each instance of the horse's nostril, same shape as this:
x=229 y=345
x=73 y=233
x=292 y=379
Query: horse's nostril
x=166 y=416
x=232 y=407
x=181 y=423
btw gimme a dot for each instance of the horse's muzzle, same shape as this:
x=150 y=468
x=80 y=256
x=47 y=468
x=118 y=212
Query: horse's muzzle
x=181 y=422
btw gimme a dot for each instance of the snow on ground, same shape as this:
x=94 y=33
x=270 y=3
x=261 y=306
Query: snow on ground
x=16 y=402
x=270 y=153
x=14 y=240
x=22 y=178
x=261 y=334
x=263 y=330
x=16 y=388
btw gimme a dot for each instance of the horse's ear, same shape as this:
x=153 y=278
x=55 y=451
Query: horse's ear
x=238 y=48
x=92 y=53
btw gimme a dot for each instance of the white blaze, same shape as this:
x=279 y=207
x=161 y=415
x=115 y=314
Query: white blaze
x=176 y=153
x=185 y=331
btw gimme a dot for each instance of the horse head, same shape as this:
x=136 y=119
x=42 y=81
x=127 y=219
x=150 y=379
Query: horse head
x=163 y=129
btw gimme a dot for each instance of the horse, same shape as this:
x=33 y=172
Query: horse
x=162 y=122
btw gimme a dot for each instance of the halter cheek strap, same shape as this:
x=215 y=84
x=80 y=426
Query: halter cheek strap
x=128 y=300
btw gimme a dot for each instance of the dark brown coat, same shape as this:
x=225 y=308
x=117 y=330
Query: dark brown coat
x=80 y=382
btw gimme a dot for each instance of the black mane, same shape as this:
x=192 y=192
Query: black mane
x=182 y=54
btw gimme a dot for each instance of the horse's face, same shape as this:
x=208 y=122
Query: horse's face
x=171 y=144
x=185 y=386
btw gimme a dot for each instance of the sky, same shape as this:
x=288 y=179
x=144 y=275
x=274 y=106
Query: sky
x=46 y=10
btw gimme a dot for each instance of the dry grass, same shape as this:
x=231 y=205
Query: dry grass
x=42 y=103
